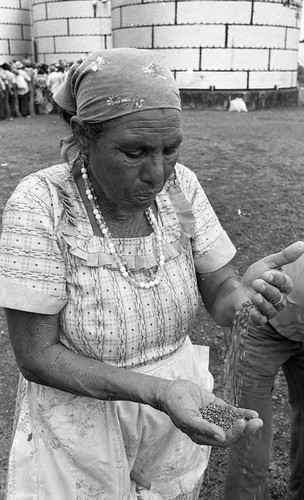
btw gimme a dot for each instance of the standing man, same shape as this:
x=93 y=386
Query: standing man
x=278 y=343
x=29 y=69
x=23 y=91
x=55 y=78
x=11 y=78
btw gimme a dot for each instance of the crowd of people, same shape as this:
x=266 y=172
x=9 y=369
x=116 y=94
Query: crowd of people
x=26 y=88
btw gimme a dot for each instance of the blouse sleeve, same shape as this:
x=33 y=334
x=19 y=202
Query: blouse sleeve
x=32 y=268
x=211 y=246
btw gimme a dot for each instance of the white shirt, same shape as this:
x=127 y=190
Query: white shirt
x=54 y=80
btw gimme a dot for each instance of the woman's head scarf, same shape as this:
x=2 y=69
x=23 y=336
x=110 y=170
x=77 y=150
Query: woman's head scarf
x=116 y=82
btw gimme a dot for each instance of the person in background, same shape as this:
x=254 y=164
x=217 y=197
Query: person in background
x=2 y=98
x=30 y=71
x=42 y=104
x=55 y=78
x=22 y=85
x=44 y=67
x=11 y=79
x=279 y=343
x=103 y=259
x=6 y=93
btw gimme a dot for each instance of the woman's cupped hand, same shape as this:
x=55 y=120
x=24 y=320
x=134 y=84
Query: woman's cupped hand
x=183 y=401
x=266 y=285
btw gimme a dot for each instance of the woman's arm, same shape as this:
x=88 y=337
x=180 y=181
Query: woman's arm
x=43 y=359
x=263 y=284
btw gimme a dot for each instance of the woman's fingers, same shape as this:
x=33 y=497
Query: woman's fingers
x=236 y=431
x=253 y=426
x=271 y=290
x=271 y=283
x=285 y=256
x=268 y=296
x=247 y=414
x=270 y=267
x=258 y=318
x=206 y=433
x=241 y=429
x=271 y=294
x=236 y=423
x=247 y=424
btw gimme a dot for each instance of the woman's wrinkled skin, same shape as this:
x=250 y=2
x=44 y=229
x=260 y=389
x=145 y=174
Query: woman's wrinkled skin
x=131 y=162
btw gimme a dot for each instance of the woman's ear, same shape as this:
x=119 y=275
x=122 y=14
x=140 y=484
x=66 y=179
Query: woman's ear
x=77 y=126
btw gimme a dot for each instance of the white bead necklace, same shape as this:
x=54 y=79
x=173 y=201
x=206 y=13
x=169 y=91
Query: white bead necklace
x=108 y=238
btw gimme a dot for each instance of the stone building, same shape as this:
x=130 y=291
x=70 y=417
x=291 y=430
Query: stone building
x=15 y=30
x=218 y=46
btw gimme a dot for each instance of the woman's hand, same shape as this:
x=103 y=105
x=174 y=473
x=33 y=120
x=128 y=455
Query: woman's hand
x=182 y=401
x=266 y=285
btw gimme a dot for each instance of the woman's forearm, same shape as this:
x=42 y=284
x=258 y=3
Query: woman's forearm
x=62 y=369
x=224 y=306
x=43 y=359
x=217 y=290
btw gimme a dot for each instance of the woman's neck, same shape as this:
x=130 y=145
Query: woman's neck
x=124 y=224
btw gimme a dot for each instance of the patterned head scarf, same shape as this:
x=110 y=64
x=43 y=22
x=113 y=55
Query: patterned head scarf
x=116 y=82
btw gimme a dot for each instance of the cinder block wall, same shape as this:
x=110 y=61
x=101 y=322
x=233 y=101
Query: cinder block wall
x=70 y=29
x=220 y=44
x=15 y=30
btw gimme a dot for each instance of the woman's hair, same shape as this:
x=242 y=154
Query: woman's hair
x=90 y=131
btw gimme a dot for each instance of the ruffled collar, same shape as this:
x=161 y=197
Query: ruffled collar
x=175 y=215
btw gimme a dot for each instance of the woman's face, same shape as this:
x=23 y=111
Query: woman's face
x=131 y=162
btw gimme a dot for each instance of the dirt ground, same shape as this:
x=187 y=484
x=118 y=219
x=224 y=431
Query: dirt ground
x=251 y=166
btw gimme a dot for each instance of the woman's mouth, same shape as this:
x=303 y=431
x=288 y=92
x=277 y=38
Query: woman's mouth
x=146 y=196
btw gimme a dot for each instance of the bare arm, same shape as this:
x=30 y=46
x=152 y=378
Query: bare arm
x=43 y=359
x=264 y=284
x=216 y=289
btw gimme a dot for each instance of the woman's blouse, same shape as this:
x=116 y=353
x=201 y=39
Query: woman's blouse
x=51 y=262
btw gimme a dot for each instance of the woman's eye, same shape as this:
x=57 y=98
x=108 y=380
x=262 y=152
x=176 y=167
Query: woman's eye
x=133 y=154
x=170 y=151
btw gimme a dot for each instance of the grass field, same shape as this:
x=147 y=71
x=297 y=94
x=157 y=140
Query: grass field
x=251 y=166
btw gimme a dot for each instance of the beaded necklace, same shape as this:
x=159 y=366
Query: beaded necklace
x=109 y=241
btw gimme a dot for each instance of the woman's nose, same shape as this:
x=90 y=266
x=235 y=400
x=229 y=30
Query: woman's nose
x=153 y=170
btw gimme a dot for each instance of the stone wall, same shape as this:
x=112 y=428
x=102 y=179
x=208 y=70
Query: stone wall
x=216 y=48
x=69 y=29
x=15 y=30
x=216 y=44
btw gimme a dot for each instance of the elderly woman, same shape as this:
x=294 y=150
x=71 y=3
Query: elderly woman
x=102 y=262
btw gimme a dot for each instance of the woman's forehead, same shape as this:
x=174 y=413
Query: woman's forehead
x=154 y=119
